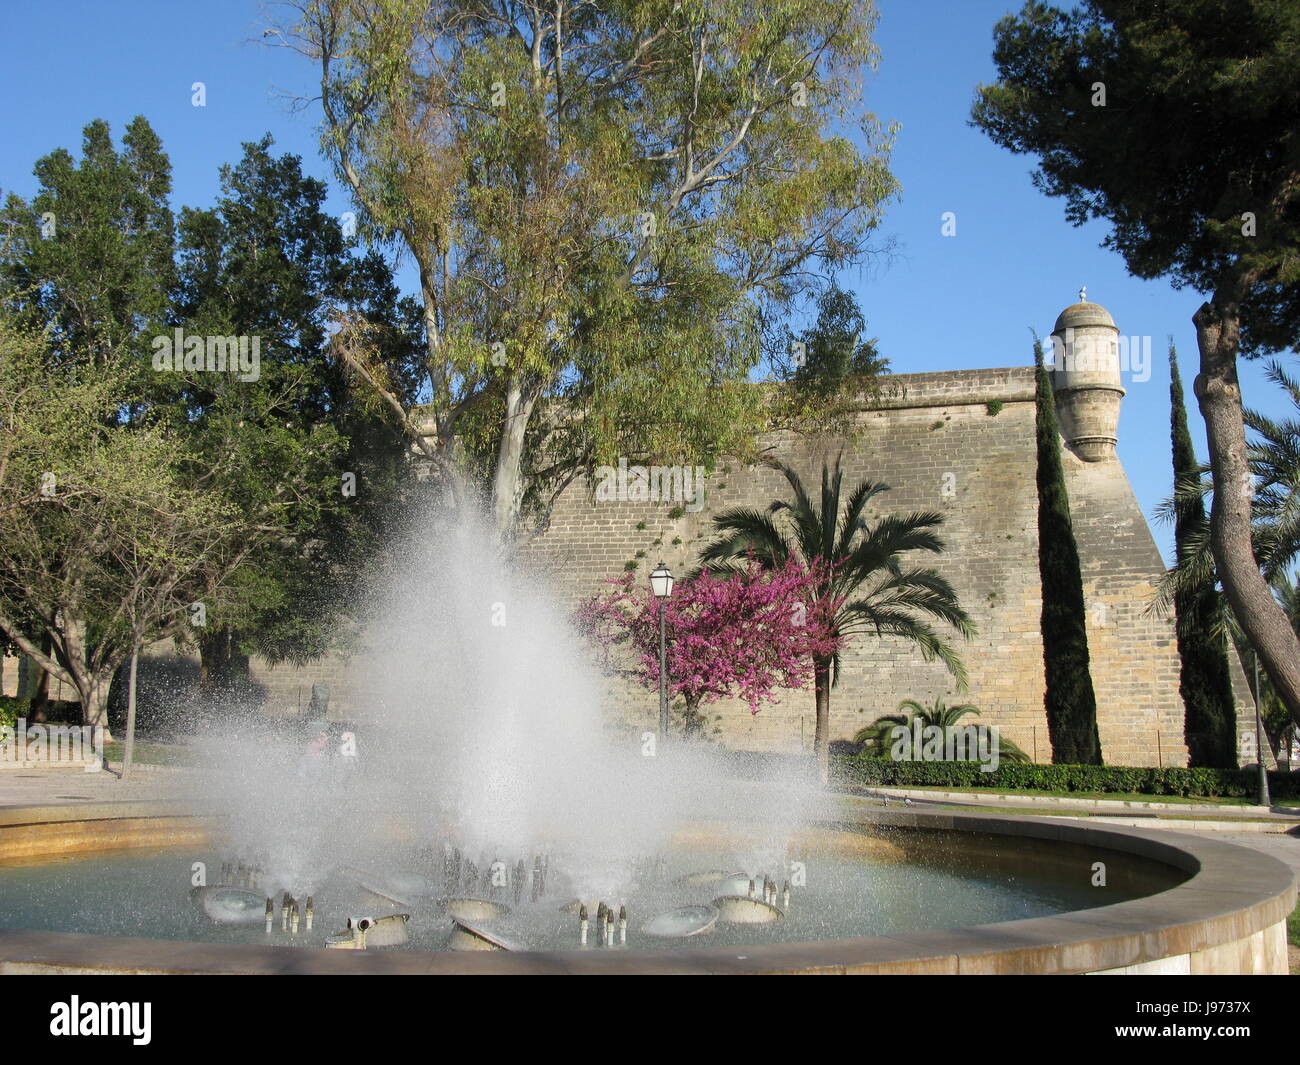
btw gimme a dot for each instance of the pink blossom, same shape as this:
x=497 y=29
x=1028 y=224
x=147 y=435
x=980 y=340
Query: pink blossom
x=744 y=634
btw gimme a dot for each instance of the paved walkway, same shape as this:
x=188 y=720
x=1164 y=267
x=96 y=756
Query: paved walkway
x=67 y=787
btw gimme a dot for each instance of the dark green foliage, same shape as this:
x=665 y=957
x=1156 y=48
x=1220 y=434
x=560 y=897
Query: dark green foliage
x=1069 y=700
x=877 y=738
x=91 y=256
x=268 y=261
x=11 y=709
x=1203 y=679
x=1140 y=780
x=834 y=352
x=1207 y=94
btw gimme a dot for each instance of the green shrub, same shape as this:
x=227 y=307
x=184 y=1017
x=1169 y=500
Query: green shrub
x=1139 y=780
x=11 y=709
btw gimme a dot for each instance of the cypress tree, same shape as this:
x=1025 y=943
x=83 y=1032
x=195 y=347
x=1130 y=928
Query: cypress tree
x=1069 y=699
x=1203 y=678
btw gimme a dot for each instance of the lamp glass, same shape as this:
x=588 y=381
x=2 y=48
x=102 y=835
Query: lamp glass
x=661 y=582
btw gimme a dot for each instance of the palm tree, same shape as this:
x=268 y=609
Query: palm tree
x=1273 y=455
x=876 y=736
x=865 y=586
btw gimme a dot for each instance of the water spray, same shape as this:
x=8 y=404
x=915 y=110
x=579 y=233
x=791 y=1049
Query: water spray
x=310 y=913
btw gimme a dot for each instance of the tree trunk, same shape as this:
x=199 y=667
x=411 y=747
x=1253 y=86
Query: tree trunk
x=40 y=704
x=507 y=478
x=223 y=671
x=1218 y=393
x=94 y=703
x=129 y=747
x=822 y=736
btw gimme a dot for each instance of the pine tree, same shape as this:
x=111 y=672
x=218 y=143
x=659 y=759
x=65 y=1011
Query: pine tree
x=1069 y=699
x=1203 y=679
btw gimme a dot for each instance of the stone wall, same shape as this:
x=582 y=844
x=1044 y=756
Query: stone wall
x=944 y=444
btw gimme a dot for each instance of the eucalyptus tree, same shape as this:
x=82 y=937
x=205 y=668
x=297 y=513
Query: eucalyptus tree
x=865 y=586
x=607 y=204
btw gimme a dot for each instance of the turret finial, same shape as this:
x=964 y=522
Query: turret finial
x=1083 y=294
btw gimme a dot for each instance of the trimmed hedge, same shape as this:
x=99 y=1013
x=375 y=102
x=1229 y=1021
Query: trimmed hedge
x=1140 y=780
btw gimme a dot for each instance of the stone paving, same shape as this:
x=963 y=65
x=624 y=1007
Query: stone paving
x=67 y=787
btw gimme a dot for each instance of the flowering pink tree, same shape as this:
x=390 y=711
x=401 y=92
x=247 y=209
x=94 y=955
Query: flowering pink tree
x=744 y=634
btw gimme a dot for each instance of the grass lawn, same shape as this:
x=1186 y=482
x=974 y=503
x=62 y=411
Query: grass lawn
x=148 y=753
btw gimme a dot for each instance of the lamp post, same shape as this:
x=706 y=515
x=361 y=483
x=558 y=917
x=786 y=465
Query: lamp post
x=661 y=583
x=1260 y=740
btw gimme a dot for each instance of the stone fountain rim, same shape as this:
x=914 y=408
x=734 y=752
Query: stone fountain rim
x=1233 y=894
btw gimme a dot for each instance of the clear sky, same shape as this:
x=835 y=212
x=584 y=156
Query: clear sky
x=939 y=303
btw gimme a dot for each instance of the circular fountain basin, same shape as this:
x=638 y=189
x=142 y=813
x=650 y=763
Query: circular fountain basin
x=1224 y=913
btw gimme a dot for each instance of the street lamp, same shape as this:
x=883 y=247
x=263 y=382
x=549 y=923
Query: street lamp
x=661 y=583
x=1261 y=739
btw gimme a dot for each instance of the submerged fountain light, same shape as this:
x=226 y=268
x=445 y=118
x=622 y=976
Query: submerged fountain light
x=682 y=922
x=229 y=905
x=470 y=908
x=745 y=909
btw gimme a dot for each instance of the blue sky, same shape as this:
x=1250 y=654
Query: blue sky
x=940 y=303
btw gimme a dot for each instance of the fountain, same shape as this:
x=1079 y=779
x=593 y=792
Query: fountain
x=484 y=808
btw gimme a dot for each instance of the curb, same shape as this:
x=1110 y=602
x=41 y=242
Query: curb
x=994 y=798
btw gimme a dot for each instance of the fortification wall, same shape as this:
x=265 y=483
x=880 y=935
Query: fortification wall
x=961 y=443
x=958 y=442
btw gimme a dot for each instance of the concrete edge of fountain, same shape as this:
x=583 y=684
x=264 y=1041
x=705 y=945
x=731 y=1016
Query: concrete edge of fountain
x=1229 y=917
